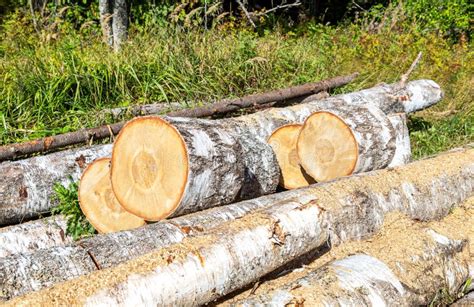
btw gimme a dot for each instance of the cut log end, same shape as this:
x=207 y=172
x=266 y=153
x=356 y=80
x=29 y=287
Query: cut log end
x=327 y=147
x=283 y=141
x=98 y=202
x=149 y=168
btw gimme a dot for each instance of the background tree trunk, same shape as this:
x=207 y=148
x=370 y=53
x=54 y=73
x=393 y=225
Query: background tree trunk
x=120 y=23
x=106 y=16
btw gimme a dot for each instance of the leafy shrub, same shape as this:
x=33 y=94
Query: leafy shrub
x=68 y=205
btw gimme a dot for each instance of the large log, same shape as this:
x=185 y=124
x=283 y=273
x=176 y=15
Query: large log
x=231 y=256
x=405 y=264
x=222 y=107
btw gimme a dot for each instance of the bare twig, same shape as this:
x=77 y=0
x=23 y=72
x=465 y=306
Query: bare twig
x=242 y=6
x=405 y=76
x=279 y=7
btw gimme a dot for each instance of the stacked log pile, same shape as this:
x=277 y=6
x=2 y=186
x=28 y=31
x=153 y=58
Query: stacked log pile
x=209 y=184
x=214 y=251
x=26 y=189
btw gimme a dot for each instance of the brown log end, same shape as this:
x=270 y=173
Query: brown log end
x=149 y=169
x=283 y=141
x=98 y=202
x=327 y=147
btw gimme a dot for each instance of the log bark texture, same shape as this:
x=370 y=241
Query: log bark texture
x=26 y=186
x=231 y=256
x=9 y=152
x=34 y=235
x=407 y=264
x=402 y=140
x=27 y=189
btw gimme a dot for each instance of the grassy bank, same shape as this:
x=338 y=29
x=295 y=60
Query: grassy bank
x=57 y=81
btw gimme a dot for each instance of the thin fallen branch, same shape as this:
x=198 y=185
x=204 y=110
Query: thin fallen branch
x=279 y=7
x=84 y=136
x=242 y=6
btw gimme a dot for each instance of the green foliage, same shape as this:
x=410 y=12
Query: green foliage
x=68 y=205
x=449 y=17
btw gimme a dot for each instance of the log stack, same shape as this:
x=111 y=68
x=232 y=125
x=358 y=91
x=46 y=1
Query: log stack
x=345 y=161
x=221 y=247
x=26 y=190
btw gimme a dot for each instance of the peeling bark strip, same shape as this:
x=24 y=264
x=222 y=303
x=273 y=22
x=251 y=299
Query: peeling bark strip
x=407 y=264
x=26 y=186
x=239 y=252
x=225 y=106
x=31 y=236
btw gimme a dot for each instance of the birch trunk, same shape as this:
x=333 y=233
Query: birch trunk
x=407 y=264
x=105 y=12
x=119 y=23
x=27 y=189
x=341 y=141
x=217 y=262
x=45 y=267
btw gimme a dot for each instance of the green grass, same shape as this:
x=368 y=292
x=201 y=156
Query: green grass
x=58 y=81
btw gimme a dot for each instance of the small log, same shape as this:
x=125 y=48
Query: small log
x=26 y=186
x=34 y=235
x=405 y=264
x=283 y=141
x=341 y=142
x=27 y=189
x=98 y=202
x=221 y=260
x=13 y=151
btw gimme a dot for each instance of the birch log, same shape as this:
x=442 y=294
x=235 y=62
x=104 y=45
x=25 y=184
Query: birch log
x=34 y=235
x=407 y=264
x=229 y=257
x=26 y=186
x=336 y=142
x=27 y=189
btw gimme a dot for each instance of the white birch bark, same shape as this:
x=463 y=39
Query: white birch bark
x=106 y=12
x=34 y=235
x=26 y=186
x=119 y=23
x=207 y=266
x=402 y=140
x=408 y=264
